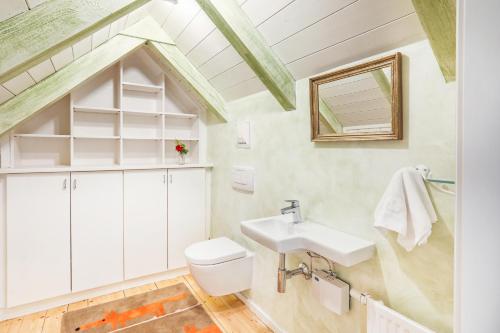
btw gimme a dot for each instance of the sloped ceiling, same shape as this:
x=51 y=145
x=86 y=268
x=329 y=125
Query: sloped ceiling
x=308 y=36
x=53 y=64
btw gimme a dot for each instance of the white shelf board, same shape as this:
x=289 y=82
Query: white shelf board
x=181 y=115
x=92 y=109
x=141 y=87
x=115 y=167
x=42 y=136
x=139 y=138
x=182 y=139
x=142 y=113
x=96 y=137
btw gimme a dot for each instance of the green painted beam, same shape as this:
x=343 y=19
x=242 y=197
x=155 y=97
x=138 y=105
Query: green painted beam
x=148 y=29
x=383 y=83
x=171 y=59
x=32 y=37
x=438 y=18
x=233 y=22
x=328 y=117
x=56 y=86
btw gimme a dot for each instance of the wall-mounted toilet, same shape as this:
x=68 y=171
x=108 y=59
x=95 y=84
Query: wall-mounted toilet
x=220 y=266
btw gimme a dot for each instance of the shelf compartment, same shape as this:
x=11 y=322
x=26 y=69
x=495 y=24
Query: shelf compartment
x=92 y=151
x=181 y=115
x=53 y=120
x=42 y=136
x=142 y=151
x=172 y=156
x=95 y=125
x=141 y=126
x=33 y=152
x=91 y=109
x=149 y=88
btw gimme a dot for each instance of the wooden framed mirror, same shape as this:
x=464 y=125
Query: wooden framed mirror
x=359 y=103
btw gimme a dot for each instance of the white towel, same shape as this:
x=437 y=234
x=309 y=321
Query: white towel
x=406 y=208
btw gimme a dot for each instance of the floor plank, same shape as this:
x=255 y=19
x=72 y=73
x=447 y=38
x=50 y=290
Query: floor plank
x=53 y=319
x=15 y=325
x=33 y=322
x=229 y=312
x=171 y=282
x=140 y=290
x=106 y=298
x=78 y=305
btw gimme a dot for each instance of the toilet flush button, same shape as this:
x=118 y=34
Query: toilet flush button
x=243 y=178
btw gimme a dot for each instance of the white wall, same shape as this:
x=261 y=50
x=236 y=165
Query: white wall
x=478 y=216
x=339 y=184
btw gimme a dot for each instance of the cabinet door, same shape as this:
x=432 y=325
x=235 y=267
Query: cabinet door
x=96 y=228
x=38 y=237
x=186 y=212
x=145 y=222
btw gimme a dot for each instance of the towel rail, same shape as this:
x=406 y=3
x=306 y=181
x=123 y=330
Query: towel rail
x=426 y=172
x=440 y=181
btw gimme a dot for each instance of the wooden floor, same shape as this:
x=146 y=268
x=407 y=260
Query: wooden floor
x=231 y=314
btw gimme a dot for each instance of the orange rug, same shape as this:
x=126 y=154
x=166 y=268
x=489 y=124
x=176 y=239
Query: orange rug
x=169 y=310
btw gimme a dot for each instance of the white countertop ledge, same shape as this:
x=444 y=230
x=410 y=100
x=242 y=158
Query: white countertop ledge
x=101 y=168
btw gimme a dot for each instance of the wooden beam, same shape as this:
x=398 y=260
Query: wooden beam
x=148 y=29
x=34 y=36
x=326 y=114
x=438 y=18
x=383 y=83
x=56 y=86
x=171 y=59
x=233 y=22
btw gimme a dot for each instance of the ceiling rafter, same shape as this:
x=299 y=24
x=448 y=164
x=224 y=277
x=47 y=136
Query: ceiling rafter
x=438 y=18
x=235 y=25
x=34 y=36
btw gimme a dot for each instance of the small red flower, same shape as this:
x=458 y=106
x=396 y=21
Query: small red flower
x=179 y=148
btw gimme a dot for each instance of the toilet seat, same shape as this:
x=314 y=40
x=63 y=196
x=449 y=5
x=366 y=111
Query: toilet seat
x=220 y=266
x=214 y=251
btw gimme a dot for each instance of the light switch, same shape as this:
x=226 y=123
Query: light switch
x=243 y=134
x=243 y=178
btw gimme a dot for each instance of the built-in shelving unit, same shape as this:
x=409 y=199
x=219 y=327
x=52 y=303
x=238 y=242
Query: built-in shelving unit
x=127 y=115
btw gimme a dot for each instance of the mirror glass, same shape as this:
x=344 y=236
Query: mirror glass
x=359 y=103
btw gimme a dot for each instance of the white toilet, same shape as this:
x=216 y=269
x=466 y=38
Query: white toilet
x=220 y=266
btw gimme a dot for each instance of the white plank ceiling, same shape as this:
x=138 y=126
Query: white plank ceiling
x=11 y=8
x=309 y=36
x=357 y=100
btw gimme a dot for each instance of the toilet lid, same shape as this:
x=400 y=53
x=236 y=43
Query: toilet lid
x=214 y=251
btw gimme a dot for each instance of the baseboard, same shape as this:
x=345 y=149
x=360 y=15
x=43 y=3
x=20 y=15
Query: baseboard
x=261 y=314
x=22 y=310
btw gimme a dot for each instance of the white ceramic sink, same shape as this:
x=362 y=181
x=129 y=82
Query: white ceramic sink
x=278 y=233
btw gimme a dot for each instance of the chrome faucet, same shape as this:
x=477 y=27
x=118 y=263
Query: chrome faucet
x=294 y=209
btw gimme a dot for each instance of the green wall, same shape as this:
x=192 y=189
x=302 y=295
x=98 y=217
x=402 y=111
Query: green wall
x=339 y=184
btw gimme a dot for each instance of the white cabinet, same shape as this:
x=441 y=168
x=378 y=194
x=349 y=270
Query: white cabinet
x=38 y=237
x=186 y=212
x=96 y=228
x=145 y=222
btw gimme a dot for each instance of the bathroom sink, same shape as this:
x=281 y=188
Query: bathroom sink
x=280 y=234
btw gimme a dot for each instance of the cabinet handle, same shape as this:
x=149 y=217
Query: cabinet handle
x=65 y=184
x=74 y=184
